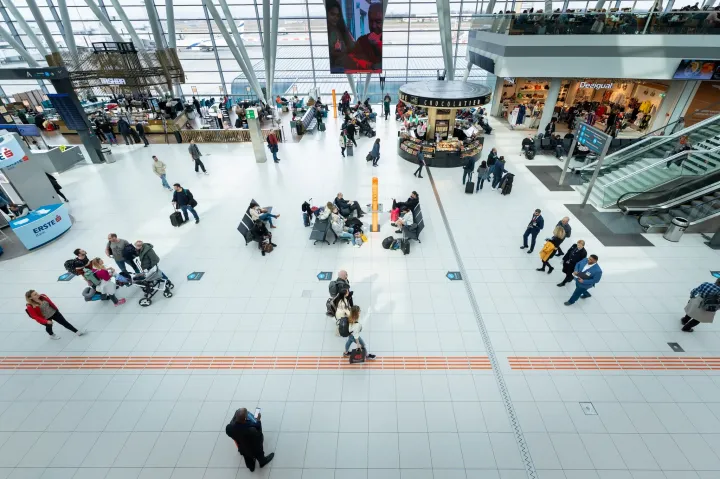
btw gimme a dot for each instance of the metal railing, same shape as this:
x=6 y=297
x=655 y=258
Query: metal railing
x=598 y=23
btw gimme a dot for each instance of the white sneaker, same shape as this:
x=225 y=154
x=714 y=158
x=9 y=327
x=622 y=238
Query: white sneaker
x=54 y=336
x=81 y=332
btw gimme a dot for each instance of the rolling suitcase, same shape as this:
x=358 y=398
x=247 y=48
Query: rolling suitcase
x=321 y=127
x=349 y=150
x=405 y=246
x=470 y=187
x=176 y=219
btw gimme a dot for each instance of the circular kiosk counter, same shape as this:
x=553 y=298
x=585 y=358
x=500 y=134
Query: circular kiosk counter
x=442 y=100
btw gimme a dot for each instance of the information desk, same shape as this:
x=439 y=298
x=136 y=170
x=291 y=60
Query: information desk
x=42 y=225
x=441 y=155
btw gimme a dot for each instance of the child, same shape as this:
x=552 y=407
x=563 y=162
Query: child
x=483 y=173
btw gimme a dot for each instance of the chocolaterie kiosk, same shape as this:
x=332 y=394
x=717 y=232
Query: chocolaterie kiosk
x=442 y=100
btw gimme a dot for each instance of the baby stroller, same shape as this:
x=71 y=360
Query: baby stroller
x=151 y=282
x=366 y=128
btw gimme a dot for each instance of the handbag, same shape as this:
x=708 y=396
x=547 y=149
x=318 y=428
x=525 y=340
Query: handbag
x=364 y=238
x=395 y=214
x=369 y=157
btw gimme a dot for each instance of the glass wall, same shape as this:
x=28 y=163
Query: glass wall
x=411 y=42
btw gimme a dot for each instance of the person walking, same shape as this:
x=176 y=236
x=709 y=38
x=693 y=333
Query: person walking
x=183 y=200
x=124 y=129
x=350 y=131
x=375 y=152
x=106 y=286
x=106 y=128
x=148 y=258
x=421 y=161
x=272 y=143
x=195 y=155
x=116 y=249
x=56 y=186
x=343 y=142
x=701 y=307
x=483 y=172
x=682 y=145
x=160 y=169
x=565 y=223
x=41 y=309
x=574 y=255
x=468 y=169
x=537 y=223
x=497 y=171
x=551 y=245
x=587 y=274
x=141 y=133
x=246 y=430
x=386 y=105
x=355 y=328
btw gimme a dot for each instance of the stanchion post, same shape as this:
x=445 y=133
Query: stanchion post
x=375 y=227
x=334 y=104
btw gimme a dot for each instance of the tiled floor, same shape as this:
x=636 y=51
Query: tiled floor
x=167 y=423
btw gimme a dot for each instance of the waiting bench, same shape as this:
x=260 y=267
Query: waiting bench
x=308 y=120
x=413 y=231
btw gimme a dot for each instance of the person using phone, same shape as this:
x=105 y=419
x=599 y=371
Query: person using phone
x=246 y=430
x=587 y=274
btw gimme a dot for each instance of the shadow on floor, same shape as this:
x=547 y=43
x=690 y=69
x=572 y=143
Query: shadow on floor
x=610 y=228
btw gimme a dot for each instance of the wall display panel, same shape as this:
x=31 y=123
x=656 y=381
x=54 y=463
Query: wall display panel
x=355 y=36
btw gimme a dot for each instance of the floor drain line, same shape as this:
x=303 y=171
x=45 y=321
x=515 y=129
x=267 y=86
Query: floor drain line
x=502 y=386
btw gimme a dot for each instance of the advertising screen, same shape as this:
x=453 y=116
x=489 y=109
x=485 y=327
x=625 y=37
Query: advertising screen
x=698 y=70
x=355 y=30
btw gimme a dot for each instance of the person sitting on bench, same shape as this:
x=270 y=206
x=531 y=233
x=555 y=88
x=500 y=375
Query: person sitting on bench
x=259 y=232
x=257 y=213
x=406 y=219
x=347 y=207
x=528 y=143
x=411 y=202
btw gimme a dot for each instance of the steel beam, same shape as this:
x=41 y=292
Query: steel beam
x=266 y=44
x=233 y=49
x=443 y=10
x=154 y=24
x=128 y=26
x=18 y=48
x=273 y=45
x=25 y=27
x=104 y=20
x=170 y=14
x=351 y=81
x=67 y=27
x=366 y=87
x=43 y=26
x=490 y=7
x=252 y=80
x=217 y=57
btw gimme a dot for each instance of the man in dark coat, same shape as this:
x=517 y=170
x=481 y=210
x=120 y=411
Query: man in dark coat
x=141 y=133
x=246 y=430
x=124 y=129
x=574 y=255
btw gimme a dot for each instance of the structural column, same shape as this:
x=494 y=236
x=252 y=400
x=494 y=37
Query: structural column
x=496 y=105
x=443 y=10
x=599 y=5
x=256 y=137
x=67 y=26
x=550 y=101
x=240 y=47
x=684 y=99
x=42 y=26
x=104 y=20
x=25 y=27
x=668 y=104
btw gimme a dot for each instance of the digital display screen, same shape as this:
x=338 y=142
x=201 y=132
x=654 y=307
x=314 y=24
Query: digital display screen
x=592 y=138
x=355 y=36
x=698 y=70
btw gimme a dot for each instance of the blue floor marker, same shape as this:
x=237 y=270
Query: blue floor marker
x=324 y=276
x=454 y=276
x=195 y=276
x=66 y=277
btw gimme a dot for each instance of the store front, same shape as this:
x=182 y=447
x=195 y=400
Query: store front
x=591 y=100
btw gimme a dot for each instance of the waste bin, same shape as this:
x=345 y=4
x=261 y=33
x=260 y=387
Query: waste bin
x=676 y=229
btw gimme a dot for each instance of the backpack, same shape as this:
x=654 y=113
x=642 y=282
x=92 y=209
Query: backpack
x=343 y=326
x=89 y=275
x=711 y=304
x=330 y=308
x=72 y=265
x=387 y=242
x=129 y=251
x=396 y=244
x=333 y=288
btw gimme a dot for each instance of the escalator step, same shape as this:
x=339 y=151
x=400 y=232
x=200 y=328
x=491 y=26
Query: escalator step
x=716 y=194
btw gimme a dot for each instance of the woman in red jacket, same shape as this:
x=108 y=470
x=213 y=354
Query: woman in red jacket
x=41 y=309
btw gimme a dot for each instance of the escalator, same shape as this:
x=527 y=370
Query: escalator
x=696 y=200
x=643 y=166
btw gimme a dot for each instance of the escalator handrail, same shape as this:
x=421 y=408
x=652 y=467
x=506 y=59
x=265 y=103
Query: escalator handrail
x=660 y=162
x=646 y=138
x=622 y=197
x=667 y=209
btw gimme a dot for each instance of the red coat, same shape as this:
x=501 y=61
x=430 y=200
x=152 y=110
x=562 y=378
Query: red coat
x=34 y=311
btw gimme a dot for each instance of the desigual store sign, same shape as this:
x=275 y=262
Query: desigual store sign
x=596 y=86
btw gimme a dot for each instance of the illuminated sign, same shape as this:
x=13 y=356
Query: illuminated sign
x=596 y=86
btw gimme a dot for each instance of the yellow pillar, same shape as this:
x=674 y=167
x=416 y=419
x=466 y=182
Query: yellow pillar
x=334 y=104
x=375 y=227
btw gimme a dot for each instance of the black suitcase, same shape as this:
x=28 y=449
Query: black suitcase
x=405 y=246
x=176 y=219
x=321 y=127
x=470 y=187
x=306 y=219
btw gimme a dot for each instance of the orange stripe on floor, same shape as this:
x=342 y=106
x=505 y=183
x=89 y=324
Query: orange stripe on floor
x=242 y=362
x=643 y=363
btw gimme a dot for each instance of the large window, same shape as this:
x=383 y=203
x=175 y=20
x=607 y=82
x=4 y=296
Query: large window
x=411 y=42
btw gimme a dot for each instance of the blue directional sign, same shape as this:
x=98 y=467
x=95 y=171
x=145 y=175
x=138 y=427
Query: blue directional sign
x=592 y=138
x=66 y=277
x=195 y=276
x=324 y=276
x=454 y=276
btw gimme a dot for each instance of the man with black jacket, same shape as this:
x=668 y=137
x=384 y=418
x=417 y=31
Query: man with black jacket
x=183 y=200
x=124 y=129
x=565 y=223
x=246 y=430
x=347 y=207
x=468 y=169
x=533 y=229
x=350 y=132
x=141 y=133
